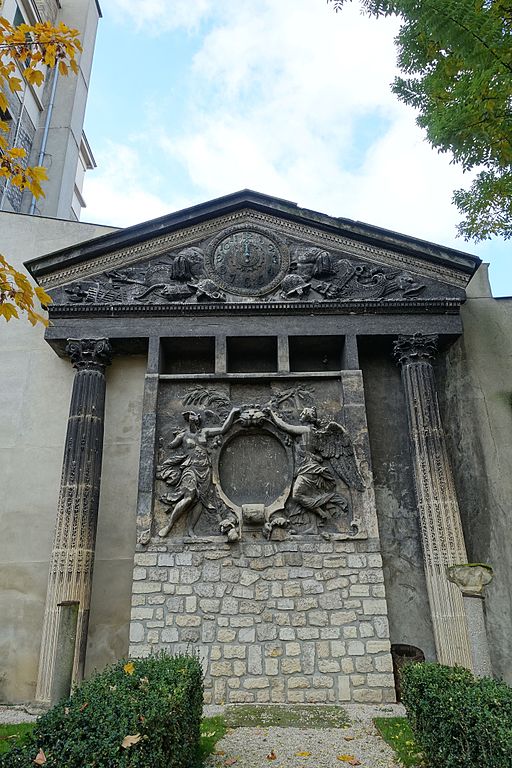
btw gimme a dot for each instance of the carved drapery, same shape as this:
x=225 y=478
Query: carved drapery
x=441 y=528
x=71 y=563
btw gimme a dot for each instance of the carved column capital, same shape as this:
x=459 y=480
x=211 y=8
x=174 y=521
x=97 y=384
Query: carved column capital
x=89 y=354
x=417 y=348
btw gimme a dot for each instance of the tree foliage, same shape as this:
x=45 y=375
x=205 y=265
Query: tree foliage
x=27 y=52
x=456 y=63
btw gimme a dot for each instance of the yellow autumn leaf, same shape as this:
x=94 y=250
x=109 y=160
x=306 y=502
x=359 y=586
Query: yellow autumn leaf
x=41 y=294
x=129 y=741
x=49 y=55
x=302 y=754
x=345 y=758
x=33 y=76
x=8 y=310
x=129 y=668
x=15 y=84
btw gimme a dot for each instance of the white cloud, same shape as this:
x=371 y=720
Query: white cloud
x=158 y=16
x=119 y=192
x=291 y=99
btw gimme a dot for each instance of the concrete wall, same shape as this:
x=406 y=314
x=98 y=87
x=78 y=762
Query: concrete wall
x=67 y=118
x=34 y=400
x=476 y=399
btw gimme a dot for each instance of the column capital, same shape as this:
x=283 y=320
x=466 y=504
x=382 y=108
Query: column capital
x=89 y=354
x=417 y=348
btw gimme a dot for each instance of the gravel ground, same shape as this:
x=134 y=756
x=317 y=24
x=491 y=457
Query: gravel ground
x=292 y=747
x=310 y=748
x=16 y=715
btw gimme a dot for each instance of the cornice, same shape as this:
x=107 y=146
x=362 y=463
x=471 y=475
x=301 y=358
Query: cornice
x=382 y=306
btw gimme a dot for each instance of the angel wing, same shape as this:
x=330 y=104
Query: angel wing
x=335 y=444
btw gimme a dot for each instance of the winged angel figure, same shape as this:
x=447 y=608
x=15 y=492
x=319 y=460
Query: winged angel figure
x=327 y=453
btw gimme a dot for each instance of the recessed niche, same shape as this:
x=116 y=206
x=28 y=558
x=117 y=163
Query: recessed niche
x=188 y=355
x=251 y=354
x=315 y=353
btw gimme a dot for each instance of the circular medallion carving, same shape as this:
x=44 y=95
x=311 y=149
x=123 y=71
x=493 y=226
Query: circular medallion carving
x=247 y=261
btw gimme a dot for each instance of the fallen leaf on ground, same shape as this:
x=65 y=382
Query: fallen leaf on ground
x=84 y=706
x=272 y=755
x=40 y=758
x=129 y=741
x=348 y=738
x=302 y=754
x=129 y=668
x=350 y=759
x=219 y=752
x=230 y=761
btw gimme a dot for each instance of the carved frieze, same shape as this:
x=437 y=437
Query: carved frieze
x=246 y=264
x=278 y=468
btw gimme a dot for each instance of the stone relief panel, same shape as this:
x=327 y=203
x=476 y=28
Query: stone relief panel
x=246 y=264
x=286 y=463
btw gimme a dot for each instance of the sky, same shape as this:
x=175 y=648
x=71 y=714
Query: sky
x=193 y=99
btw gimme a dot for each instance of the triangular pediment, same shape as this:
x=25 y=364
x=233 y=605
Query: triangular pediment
x=249 y=249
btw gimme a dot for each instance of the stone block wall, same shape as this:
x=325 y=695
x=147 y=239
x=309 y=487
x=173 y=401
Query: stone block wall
x=302 y=620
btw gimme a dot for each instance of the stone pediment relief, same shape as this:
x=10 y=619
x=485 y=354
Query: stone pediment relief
x=249 y=263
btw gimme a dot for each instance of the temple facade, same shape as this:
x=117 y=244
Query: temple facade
x=265 y=435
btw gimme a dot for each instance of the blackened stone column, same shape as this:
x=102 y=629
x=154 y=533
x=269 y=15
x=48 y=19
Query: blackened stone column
x=441 y=528
x=71 y=564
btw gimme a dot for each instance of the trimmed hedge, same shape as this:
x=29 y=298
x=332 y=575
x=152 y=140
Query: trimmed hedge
x=158 y=701
x=458 y=721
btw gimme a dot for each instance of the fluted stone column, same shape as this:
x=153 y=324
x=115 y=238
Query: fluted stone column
x=441 y=528
x=71 y=564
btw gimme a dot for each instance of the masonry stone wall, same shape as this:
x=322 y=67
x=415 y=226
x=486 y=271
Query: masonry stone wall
x=293 y=621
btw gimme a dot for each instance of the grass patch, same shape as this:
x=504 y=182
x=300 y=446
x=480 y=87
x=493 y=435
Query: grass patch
x=397 y=732
x=212 y=729
x=13 y=734
x=264 y=716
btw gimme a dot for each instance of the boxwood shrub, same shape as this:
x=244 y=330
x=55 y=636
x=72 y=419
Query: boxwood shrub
x=157 y=701
x=458 y=721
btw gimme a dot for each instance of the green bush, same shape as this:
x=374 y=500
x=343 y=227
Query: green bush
x=158 y=701
x=458 y=721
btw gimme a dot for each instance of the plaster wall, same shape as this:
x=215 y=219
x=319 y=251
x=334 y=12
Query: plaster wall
x=404 y=575
x=475 y=394
x=34 y=401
